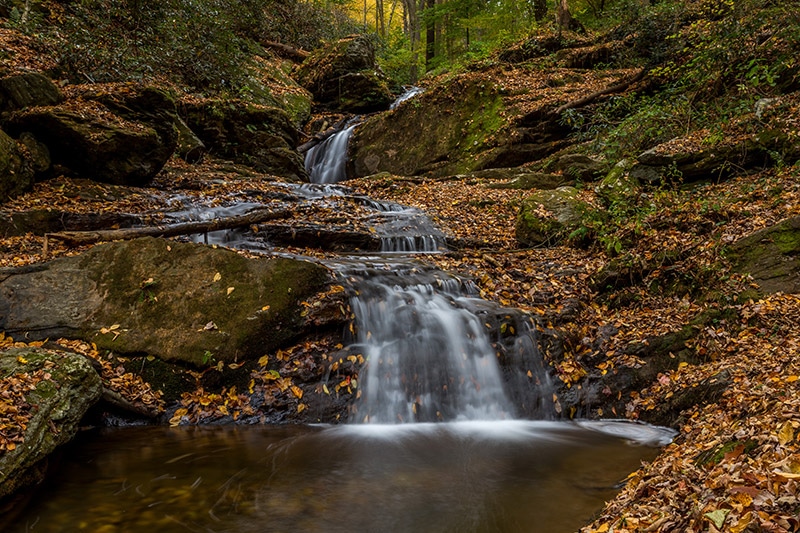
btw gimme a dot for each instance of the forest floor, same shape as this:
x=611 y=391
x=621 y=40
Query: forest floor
x=735 y=464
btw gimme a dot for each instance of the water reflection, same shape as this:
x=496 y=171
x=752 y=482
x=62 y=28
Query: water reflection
x=473 y=476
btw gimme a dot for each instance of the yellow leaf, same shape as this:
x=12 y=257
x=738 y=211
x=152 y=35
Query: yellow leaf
x=217 y=277
x=301 y=407
x=297 y=391
x=263 y=360
x=792 y=379
x=113 y=327
x=223 y=410
x=602 y=529
x=251 y=386
x=325 y=389
x=230 y=290
x=22 y=360
x=786 y=434
x=742 y=524
x=265 y=308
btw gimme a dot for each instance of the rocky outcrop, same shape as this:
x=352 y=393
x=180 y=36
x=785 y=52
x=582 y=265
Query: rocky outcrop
x=259 y=136
x=57 y=389
x=119 y=134
x=525 y=180
x=176 y=301
x=344 y=77
x=771 y=256
x=28 y=89
x=546 y=216
x=16 y=173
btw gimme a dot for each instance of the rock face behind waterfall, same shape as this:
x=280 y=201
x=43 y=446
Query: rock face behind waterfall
x=345 y=77
x=176 y=301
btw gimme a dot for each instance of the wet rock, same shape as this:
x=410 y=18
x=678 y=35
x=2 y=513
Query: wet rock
x=259 y=136
x=771 y=256
x=63 y=386
x=176 y=301
x=16 y=174
x=546 y=216
x=41 y=221
x=345 y=77
x=28 y=89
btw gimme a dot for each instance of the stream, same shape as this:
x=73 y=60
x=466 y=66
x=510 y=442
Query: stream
x=443 y=438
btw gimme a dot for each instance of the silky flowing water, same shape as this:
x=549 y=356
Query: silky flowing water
x=441 y=439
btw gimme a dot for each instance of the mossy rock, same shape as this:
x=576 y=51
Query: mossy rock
x=26 y=90
x=63 y=388
x=443 y=131
x=547 y=216
x=532 y=180
x=90 y=141
x=619 y=186
x=176 y=301
x=259 y=136
x=344 y=76
x=771 y=256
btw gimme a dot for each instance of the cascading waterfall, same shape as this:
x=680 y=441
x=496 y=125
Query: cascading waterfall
x=327 y=161
x=429 y=356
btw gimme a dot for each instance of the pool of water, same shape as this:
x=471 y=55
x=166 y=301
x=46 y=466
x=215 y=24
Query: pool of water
x=516 y=476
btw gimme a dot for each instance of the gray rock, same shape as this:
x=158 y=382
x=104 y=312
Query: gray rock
x=176 y=301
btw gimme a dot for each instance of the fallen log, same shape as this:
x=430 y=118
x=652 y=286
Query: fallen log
x=619 y=87
x=286 y=51
x=77 y=238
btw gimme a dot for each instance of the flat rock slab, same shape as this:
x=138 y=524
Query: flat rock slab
x=176 y=301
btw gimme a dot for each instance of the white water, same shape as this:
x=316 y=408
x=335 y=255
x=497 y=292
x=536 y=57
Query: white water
x=327 y=161
x=429 y=356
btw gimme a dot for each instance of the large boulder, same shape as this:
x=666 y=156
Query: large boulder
x=547 y=215
x=442 y=132
x=119 y=134
x=345 y=77
x=45 y=394
x=176 y=301
x=28 y=89
x=259 y=136
x=16 y=175
x=771 y=256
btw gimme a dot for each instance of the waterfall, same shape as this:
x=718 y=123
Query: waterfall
x=327 y=161
x=425 y=337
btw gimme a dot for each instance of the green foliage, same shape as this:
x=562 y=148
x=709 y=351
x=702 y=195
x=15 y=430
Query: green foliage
x=204 y=45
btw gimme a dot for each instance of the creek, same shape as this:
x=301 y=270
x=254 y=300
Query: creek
x=443 y=437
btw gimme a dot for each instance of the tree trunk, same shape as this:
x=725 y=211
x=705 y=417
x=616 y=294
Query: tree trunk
x=430 y=36
x=539 y=10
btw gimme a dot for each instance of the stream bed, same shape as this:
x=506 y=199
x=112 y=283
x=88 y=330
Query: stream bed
x=511 y=476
